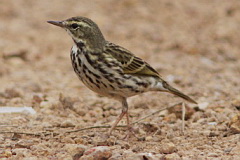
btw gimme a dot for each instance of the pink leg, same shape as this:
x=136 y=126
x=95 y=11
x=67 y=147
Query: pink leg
x=116 y=123
x=128 y=122
x=124 y=111
x=130 y=131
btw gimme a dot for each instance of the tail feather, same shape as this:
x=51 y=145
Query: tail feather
x=178 y=93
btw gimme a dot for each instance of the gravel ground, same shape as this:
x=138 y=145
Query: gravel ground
x=195 y=46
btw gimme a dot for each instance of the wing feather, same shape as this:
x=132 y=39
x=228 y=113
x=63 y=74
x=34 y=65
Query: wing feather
x=130 y=63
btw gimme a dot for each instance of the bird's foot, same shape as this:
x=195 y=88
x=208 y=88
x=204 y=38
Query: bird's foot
x=130 y=133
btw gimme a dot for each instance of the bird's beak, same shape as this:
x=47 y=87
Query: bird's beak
x=57 y=23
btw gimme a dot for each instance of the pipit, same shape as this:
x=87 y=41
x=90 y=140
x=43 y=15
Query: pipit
x=109 y=69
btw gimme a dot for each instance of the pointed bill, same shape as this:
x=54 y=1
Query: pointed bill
x=57 y=23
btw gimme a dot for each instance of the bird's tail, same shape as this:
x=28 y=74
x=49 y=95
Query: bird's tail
x=177 y=92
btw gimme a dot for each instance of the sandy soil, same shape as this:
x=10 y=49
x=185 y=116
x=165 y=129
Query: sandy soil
x=195 y=45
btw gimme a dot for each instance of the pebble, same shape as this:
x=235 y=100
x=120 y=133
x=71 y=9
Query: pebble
x=47 y=125
x=216 y=159
x=45 y=104
x=24 y=143
x=80 y=141
x=100 y=152
x=197 y=116
x=16 y=62
x=148 y=138
x=235 y=124
x=125 y=145
x=171 y=118
x=136 y=148
x=129 y=155
x=236 y=102
x=173 y=156
x=177 y=110
x=31 y=158
x=212 y=155
x=67 y=140
x=168 y=148
x=116 y=156
x=64 y=156
x=6 y=154
x=19 y=153
x=203 y=105
x=76 y=150
x=150 y=127
x=206 y=61
x=214 y=134
x=235 y=150
x=67 y=123
x=150 y=156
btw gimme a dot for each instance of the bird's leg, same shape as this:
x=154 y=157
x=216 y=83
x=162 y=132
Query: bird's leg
x=124 y=111
x=130 y=130
x=128 y=122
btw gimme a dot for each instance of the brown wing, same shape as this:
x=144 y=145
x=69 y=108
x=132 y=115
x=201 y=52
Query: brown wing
x=130 y=63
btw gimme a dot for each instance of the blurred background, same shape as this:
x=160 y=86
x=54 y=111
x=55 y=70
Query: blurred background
x=195 y=46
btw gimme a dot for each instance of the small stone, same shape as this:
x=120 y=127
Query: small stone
x=148 y=138
x=63 y=156
x=235 y=150
x=37 y=99
x=227 y=150
x=116 y=157
x=136 y=148
x=24 y=144
x=79 y=110
x=141 y=131
x=236 y=102
x=235 y=124
x=203 y=105
x=47 y=125
x=21 y=152
x=5 y=154
x=67 y=123
x=41 y=148
x=125 y=145
x=16 y=62
x=173 y=156
x=206 y=61
x=171 y=118
x=12 y=93
x=68 y=140
x=212 y=155
x=45 y=104
x=31 y=158
x=177 y=110
x=100 y=152
x=214 y=134
x=150 y=156
x=131 y=156
x=196 y=116
x=76 y=150
x=168 y=148
x=150 y=127
x=80 y=141
x=109 y=141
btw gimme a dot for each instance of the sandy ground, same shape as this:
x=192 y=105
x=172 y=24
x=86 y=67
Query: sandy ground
x=195 y=45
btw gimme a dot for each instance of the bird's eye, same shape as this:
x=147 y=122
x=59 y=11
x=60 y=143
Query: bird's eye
x=74 y=26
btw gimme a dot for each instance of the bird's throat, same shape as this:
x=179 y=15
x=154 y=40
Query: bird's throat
x=87 y=46
x=80 y=44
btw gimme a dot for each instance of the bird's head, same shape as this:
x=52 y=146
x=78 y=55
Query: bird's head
x=82 y=30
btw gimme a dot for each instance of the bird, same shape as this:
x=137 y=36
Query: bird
x=109 y=69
